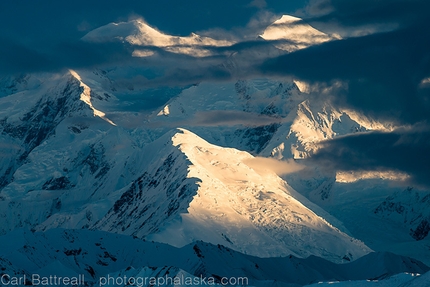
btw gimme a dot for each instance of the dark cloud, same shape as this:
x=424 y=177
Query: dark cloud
x=382 y=75
x=45 y=35
x=17 y=58
x=355 y=13
x=383 y=71
x=231 y=118
x=226 y=63
x=214 y=118
x=62 y=19
x=405 y=150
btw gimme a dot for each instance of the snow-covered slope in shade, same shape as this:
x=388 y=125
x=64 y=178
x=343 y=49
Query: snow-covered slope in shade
x=61 y=154
x=382 y=214
x=96 y=255
x=193 y=190
x=293 y=34
x=137 y=32
x=30 y=116
x=409 y=208
x=420 y=281
x=13 y=84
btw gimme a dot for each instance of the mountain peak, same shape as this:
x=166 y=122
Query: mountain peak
x=294 y=34
x=287 y=19
x=220 y=191
x=139 y=33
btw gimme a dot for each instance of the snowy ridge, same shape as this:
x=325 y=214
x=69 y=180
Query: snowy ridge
x=310 y=123
x=86 y=97
x=31 y=116
x=161 y=191
x=137 y=32
x=297 y=124
x=97 y=254
x=355 y=203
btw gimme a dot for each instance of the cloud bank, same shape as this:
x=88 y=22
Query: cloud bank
x=405 y=150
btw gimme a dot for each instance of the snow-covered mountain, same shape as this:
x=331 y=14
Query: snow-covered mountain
x=293 y=34
x=59 y=151
x=199 y=191
x=98 y=177
x=85 y=150
x=138 y=33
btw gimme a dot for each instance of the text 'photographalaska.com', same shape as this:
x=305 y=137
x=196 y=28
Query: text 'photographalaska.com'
x=109 y=280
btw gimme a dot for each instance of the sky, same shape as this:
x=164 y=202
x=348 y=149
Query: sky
x=382 y=61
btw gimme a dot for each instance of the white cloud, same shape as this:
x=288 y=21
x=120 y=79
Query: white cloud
x=280 y=167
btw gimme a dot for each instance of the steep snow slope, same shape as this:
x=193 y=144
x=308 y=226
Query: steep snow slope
x=293 y=34
x=193 y=190
x=410 y=209
x=97 y=255
x=382 y=214
x=137 y=32
x=29 y=117
x=60 y=154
